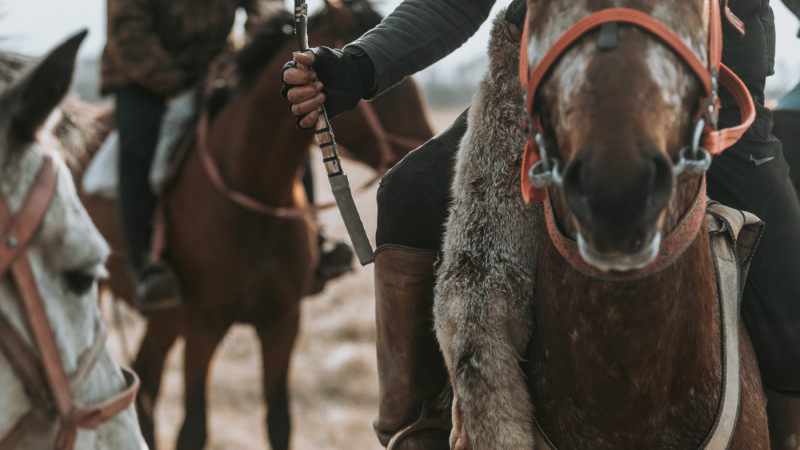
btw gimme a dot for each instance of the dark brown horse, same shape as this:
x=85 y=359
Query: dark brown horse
x=236 y=265
x=615 y=340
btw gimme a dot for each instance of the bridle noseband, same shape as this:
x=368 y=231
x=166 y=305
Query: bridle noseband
x=46 y=373
x=540 y=170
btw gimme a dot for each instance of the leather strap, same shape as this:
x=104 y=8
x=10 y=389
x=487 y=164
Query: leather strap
x=18 y=233
x=714 y=141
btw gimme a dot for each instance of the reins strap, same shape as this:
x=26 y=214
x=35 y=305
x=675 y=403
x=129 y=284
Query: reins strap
x=18 y=231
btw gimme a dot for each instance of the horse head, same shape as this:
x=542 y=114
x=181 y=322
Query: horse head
x=52 y=258
x=614 y=110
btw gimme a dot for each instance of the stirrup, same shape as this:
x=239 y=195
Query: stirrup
x=422 y=423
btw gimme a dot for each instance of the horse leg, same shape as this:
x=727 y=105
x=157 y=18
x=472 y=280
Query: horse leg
x=277 y=339
x=162 y=330
x=202 y=338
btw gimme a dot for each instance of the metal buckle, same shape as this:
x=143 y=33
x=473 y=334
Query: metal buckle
x=546 y=171
x=693 y=159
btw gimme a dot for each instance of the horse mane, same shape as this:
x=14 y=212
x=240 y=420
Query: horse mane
x=80 y=130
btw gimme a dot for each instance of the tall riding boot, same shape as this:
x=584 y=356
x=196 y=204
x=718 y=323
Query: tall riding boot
x=783 y=415
x=411 y=371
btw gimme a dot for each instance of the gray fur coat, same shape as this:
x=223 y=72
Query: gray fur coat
x=484 y=295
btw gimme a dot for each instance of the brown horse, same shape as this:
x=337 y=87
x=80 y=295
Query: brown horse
x=611 y=337
x=236 y=265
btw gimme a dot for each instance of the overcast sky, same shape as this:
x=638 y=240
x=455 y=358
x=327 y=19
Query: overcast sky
x=34 y=26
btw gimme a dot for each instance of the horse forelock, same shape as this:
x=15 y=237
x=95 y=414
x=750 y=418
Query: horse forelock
x=550 y=19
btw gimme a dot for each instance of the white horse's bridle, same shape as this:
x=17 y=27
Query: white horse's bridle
x=47 y=384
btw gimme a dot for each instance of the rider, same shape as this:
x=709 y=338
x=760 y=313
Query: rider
x=413 y=198
x=155 y=49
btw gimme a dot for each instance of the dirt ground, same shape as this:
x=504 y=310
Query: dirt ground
x=333 y=379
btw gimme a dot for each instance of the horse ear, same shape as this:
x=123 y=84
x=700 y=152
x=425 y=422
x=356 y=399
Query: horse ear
x=31 y=99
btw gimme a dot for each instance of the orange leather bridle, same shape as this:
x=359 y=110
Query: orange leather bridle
x=711 y=139
x=45 y=379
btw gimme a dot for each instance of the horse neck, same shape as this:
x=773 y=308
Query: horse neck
x=648 y=344
x=256 y=145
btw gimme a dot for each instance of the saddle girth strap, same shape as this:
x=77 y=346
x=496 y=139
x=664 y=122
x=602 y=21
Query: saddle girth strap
x=733 y=236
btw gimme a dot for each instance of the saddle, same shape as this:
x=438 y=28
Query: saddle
x=102 y=175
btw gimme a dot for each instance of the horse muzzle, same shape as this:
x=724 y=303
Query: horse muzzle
x=645 y=253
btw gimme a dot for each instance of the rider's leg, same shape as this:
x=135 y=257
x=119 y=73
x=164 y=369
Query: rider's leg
x=335 y=258
x=753 y=176
x=412 y=208
x=138 y=117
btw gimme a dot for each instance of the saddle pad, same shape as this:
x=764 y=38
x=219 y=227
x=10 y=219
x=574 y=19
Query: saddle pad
x=102 y=175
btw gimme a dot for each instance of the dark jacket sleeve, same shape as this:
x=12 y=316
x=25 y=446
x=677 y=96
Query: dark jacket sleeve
x=417 y=34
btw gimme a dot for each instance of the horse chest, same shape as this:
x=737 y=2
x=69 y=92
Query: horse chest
x=624 y=362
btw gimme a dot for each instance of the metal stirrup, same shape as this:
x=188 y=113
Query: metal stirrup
x=422 y=423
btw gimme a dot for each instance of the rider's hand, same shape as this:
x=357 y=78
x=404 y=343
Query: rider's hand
x=338 y=78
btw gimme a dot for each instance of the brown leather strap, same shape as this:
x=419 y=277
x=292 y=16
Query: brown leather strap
x=22 y=359
x=89 y=358
x=17 y=232
x=26 y=424
x=89 y=418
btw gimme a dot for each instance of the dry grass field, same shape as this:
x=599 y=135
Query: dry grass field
x=333 y=379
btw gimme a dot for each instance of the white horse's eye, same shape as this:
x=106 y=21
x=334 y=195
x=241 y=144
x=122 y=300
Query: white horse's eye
x=79 y=281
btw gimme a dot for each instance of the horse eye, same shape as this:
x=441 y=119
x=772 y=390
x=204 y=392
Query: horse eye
x=80 y=281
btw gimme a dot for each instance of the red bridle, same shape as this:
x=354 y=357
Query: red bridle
x=46 y=373
x=712 y=140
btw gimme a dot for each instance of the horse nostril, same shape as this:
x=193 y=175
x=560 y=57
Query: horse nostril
x=574 y=189
x=662 y=185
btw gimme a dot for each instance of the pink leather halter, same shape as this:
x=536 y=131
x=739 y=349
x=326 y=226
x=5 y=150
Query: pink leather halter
x=46 y=375
x=712 y=140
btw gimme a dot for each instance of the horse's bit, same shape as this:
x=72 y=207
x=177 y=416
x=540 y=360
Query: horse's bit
x=540 y=169
x=46 y=382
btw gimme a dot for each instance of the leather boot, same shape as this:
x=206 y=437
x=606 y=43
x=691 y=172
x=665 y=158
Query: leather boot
x=783 y=416
x=411 y=371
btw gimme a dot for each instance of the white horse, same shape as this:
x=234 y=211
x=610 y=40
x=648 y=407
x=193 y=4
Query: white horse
x=66 y=256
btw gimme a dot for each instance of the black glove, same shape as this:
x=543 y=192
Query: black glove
x=347 y=77
x=515 y=13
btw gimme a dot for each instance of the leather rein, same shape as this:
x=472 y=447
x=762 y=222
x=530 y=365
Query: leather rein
x=46 y=382
x=385 y=142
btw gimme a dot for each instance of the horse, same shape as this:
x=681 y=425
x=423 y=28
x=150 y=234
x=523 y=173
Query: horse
x=60 y=387
x=592 y=319
x=239 y=265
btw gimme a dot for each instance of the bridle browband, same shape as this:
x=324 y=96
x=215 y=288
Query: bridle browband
x=540 y=170
x=46 y=373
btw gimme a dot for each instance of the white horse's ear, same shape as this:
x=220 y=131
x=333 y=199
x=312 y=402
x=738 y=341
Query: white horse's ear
x=30 y=100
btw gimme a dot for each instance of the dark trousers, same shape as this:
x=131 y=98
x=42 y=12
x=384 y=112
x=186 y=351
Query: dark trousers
x=412 y=208
x=138 y=117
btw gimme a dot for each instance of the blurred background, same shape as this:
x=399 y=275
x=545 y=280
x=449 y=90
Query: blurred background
x=33 y=26
x=333 y=382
